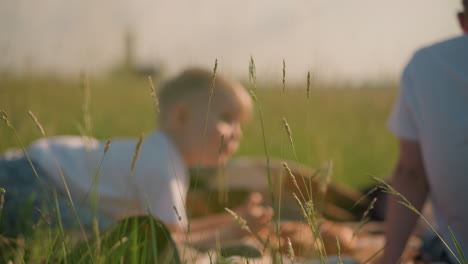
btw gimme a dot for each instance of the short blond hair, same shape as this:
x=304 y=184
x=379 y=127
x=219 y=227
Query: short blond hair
x=191 y=83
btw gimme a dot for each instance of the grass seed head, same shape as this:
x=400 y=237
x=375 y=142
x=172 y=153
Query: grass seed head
x=364 y=218
x=291 y=255
x=215 y=69
x=284 y=75
x=106 y=148
x=137 y=151
x=326 y=177
x=288 y=130
x=252 y=94
x=369 y=208
x=239 y=220
x=310 y=210
x=252 y=73
x=5 y=117
x=286 y=167
x=36 y=121
x=153 y=94
x=177 y=213
x=299 y=203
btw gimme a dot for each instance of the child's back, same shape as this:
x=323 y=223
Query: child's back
x=155 y=184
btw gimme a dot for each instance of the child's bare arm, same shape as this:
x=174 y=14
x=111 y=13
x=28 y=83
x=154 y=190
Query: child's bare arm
x=204 y=231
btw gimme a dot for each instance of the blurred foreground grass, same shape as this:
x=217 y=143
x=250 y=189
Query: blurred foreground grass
x=342 y=122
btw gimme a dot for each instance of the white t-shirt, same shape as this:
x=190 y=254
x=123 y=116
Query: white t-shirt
x=158 y=183
x=432 y=109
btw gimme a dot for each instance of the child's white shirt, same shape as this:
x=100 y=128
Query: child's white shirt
x=158 y=183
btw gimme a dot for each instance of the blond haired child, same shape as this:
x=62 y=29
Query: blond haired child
x=201 y=118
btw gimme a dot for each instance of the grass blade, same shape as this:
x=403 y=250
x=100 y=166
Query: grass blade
x=457 y=245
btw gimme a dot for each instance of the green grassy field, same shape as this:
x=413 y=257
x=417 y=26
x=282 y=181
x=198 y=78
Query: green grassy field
x=340 y=122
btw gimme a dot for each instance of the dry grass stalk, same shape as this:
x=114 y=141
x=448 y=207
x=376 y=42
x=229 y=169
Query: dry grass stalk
x=310 y=216
x=86 y=104
x=221 y=178
x=387 y=188
x=291 y=255
x=239 y=220
x=310 y=211
x=364 y=197
x=371 y=206
x=86 y=129
x=36 y=121
x=253 y=79
x=338 y=249
x=325 y=178
x=153 y=94
x=210 y=97
x=5 y=117
x=45 y=217
x=252 y=94
x=106 y=148
x=215 y=69
x=119 y=243
x=285 y=166
x=288 y=131
x=98 y=238
x=2 y=199
x=364 y=218
x=137 y=151
x=252 y=89
x=252 y=73
x=177 y=213
x=284 y=75
x=293 y=178
x=299 y=203
x=308 y=84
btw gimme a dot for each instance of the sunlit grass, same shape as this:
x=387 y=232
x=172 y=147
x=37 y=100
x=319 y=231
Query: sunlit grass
x=344 y=124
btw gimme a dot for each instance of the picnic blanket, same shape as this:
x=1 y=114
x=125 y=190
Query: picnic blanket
x=340 y=207
x=363 y=247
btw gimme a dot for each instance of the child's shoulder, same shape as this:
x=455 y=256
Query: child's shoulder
x=65 y=141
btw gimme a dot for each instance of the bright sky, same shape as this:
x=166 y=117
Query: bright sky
x=343 y=39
